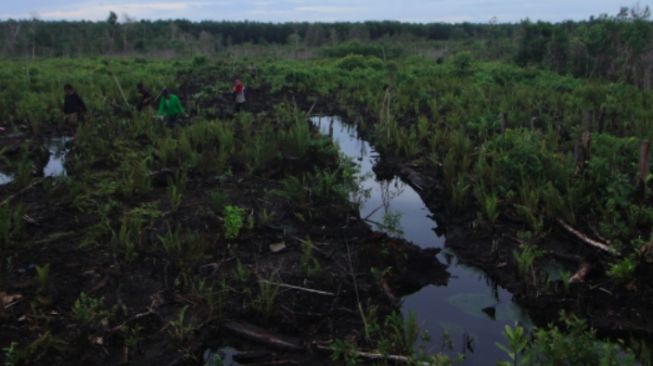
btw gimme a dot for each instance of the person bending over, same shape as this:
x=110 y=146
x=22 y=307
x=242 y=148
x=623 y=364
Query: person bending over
x=170 y=108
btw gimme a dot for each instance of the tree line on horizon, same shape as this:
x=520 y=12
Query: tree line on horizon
x=618 y=48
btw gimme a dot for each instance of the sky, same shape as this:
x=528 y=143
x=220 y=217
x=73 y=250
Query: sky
x=451 y=11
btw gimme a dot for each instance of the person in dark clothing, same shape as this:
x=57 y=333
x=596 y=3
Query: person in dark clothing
x=146 y=97
x=73 y=105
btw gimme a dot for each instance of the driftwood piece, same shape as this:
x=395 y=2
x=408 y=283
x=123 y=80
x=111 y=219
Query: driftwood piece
x=264 y=336
x=587 y=240
x=298 y=288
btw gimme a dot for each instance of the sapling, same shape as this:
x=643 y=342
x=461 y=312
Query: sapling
x=525 y=260
x=517 y=344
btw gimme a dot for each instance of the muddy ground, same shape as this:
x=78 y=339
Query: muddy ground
x=154 y=309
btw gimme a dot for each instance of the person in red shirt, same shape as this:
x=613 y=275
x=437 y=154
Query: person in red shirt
x=239 y=94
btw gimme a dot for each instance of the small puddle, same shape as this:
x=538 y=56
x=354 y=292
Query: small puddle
x=471 y=310
x=58 y=149
x=5 y=179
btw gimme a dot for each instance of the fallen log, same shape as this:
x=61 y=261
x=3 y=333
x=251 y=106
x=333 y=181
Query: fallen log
x=264 y=336
x=587 y=240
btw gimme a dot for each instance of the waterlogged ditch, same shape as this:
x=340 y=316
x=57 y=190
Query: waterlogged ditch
x=57 y=150
x=468 y=315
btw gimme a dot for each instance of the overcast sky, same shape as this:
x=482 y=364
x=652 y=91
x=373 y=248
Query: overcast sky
x=316 y=10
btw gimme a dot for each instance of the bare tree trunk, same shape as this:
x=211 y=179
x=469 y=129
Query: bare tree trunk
x=643 y=159
x=504 y=122
x=589 y=119
x=582 y=150
x=644 y=149
x=601 y=119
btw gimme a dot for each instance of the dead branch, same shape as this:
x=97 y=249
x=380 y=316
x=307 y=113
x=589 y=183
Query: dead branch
x=122 y=93
x=358 y=299
x=587 y=240
x=27 y=188
x=265 y=336
x=304 y=289
x=582 y=273
x=378 y=356
x=310 y=110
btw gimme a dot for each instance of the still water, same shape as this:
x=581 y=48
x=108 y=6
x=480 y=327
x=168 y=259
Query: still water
x=469 y=313
x=58 y=148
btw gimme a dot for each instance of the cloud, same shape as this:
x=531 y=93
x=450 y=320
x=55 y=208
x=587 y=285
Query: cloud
x=93 y=11
x=327 y=9
x=316 y=10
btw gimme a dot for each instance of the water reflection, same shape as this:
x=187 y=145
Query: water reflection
x=58 y=149
x=471 y=312
x=5 y=179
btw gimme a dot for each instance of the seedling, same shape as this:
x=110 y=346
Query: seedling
x=43 y=276
x=233 y=221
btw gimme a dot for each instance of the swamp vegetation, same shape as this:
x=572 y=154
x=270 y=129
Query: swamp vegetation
x=164 y=245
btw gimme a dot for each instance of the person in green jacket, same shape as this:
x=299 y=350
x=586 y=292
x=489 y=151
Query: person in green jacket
x=170 y=108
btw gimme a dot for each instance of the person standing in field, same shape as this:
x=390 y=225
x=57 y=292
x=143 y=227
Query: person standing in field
x=146 y=98
x=73 y=106
x=170 y=108
x=239 y=94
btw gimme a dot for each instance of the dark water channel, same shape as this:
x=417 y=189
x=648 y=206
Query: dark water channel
x=459 y=312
